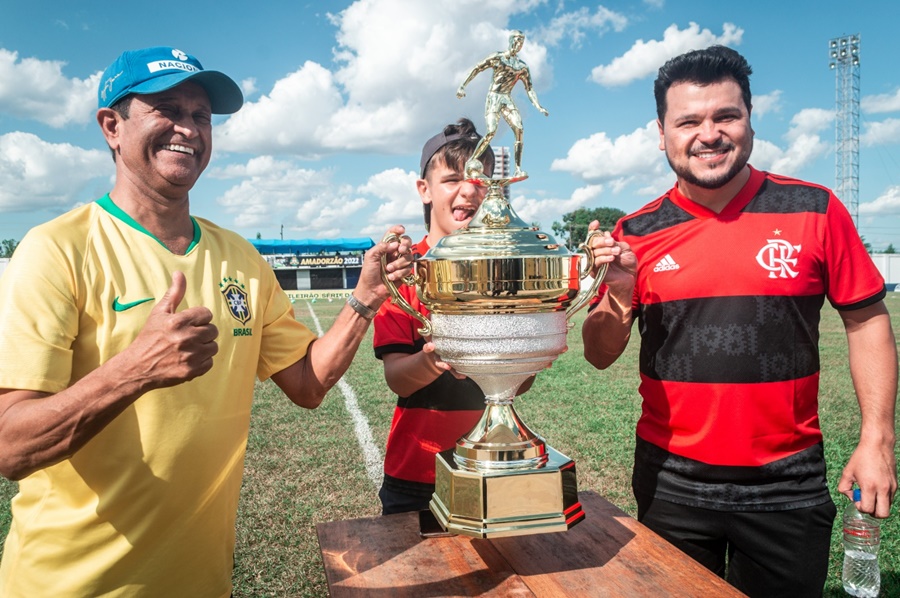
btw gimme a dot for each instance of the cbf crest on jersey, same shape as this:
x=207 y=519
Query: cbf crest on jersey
x=236 y=298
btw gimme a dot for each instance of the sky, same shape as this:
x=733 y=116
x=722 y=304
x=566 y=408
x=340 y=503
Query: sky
x=340 y=97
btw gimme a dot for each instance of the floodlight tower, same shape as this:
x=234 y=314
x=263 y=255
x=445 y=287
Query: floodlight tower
x=843 y=53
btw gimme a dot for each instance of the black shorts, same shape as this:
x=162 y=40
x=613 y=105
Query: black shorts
x=393 y=501
x=771 y=553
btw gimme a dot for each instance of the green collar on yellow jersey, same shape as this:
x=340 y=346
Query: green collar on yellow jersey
x=107 y=204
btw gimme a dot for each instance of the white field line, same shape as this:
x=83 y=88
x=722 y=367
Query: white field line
x=371 y=453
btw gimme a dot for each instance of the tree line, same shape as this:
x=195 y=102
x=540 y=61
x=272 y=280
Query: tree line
x=7 y=247
x=574 y=227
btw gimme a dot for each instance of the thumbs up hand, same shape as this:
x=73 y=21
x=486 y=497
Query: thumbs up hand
x=174 y=347
x=169 y=302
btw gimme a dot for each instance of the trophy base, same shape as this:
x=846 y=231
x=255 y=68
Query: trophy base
x=495 y=504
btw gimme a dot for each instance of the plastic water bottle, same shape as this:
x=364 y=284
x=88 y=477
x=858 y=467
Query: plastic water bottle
x=862 y=537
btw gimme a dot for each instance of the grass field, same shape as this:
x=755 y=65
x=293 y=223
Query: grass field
x=305 y=467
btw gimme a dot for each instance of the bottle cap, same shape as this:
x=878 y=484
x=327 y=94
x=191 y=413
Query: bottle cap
x=856 y=495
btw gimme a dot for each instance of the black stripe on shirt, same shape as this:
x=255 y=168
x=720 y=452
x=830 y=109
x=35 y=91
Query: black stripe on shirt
x=405 y=348
x=446 y=393
x=788 y=198
x=737 y=340
x=663 y=217
x=861 y=304
x=794 y=482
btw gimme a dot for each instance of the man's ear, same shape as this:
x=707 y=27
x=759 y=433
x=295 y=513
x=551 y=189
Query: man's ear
x=109 y=120
x=662 y=136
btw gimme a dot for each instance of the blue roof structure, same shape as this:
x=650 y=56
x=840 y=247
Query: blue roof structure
x=311 y=246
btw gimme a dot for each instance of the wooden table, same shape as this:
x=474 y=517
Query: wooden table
x=608 y=554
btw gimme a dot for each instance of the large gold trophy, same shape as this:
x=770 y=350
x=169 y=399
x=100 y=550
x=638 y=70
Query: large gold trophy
x=500 y=293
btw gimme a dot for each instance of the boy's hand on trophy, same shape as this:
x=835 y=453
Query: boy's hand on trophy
x=428 y=350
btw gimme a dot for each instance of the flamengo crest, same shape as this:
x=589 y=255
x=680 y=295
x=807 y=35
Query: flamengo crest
x=779 y=258
x=236 y=298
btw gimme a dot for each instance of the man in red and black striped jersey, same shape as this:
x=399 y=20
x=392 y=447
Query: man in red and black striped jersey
x=435 y=404
x=726 y=274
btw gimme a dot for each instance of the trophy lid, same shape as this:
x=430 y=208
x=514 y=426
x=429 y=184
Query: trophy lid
x=496 y=231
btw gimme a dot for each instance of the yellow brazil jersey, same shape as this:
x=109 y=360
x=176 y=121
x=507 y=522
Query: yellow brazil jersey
x=147 y=507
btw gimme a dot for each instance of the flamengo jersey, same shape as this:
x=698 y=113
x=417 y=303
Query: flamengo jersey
x=433 y=418
x=147 y=507
x=728 y=307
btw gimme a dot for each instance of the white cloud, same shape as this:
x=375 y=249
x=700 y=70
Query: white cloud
x=309 y=203
x=248 y=87
x=885 y=102
x=763 y=104
x=288 y=120
x=645 y=58
x=810 y=121
x=373 y=127
x=36 y=175
x=802 y=151
x=261 y=166
x=887 y=203
x=549 y=210
x=37 y=90
x=325 y=214
x=575 y=25
x=400 y=202
x=272 y=192
x=881 y=133
x=399 y=64
x=805 y=145
x=765 y=154
x=634 y=157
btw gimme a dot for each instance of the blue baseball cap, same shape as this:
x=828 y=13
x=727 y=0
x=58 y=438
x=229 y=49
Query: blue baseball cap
x=152 y=70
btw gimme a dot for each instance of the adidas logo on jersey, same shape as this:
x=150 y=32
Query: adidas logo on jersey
x=667 y=263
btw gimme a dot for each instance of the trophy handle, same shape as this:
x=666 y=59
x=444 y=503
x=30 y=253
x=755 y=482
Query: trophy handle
x=410 y=280
x=585 y=296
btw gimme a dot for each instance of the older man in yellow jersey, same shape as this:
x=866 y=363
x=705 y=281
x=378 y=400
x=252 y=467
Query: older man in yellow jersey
x=131 y=333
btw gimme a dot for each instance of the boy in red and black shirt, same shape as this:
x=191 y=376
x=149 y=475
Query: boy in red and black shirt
x=435 y=404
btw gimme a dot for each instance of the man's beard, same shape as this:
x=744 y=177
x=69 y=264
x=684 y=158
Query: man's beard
x=716 y=181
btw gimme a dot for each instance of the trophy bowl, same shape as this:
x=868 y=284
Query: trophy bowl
x=500 y=294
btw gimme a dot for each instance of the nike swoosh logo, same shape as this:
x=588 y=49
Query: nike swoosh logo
x=123 y=306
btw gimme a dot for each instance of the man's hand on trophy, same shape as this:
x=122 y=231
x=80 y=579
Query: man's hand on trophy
x=606 y=250
x=396 y=255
